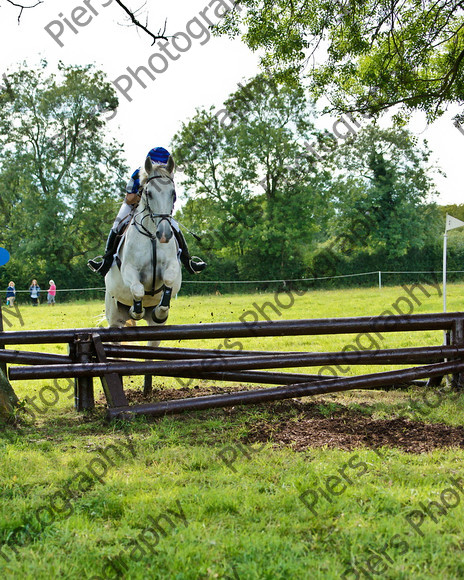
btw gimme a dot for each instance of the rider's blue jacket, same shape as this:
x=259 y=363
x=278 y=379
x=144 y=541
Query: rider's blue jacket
x=157 y=155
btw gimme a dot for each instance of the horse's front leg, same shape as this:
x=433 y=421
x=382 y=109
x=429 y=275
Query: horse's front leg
x=171 y=280
x=132 y=278
x=161 y=312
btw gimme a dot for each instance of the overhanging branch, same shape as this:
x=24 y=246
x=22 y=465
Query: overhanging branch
x=159 y=36
x=23 y=7
x=133 y=19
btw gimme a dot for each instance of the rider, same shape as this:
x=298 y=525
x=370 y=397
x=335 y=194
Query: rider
x=160 y=156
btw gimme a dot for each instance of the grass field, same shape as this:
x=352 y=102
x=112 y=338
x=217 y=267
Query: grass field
x=242 y=493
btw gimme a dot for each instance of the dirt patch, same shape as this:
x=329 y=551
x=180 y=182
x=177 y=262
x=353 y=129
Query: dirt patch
x=302 y=425
x=135 y=396
x=359 y=431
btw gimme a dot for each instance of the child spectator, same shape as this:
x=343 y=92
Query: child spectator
x=34 y=290
x=10 y=294
x=51 y=293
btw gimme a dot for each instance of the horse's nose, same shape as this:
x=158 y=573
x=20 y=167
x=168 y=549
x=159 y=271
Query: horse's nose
x=164 y=232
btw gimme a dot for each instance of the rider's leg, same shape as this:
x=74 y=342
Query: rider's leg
x=194 y=267
x=102 y=264
x=106 y=260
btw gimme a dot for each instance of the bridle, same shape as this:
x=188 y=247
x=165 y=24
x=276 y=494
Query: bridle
x=152 y=215
x=144 y=231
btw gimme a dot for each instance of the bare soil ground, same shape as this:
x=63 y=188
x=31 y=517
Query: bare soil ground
x=300 y=425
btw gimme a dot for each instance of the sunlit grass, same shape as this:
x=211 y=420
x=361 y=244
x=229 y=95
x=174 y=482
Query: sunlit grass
x=247 y=522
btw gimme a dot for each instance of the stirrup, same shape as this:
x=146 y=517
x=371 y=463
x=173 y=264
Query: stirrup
x=197 y=266
x=94 y=265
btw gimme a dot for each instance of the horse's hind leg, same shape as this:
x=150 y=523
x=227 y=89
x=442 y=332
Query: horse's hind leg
x=116 y=313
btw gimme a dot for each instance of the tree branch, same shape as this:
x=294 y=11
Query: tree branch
x=131 y=15
x=22 y=7
x=160 y=36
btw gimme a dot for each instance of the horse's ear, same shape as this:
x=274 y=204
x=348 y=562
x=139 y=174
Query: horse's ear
x=148 y=165
x=170 y=165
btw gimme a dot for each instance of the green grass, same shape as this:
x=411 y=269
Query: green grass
x=247 y=522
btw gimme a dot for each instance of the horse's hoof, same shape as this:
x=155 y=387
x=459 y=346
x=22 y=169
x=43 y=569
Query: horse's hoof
x=157 y=319
x=136 y=315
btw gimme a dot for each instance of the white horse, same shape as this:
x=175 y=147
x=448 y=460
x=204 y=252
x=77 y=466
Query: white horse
x=149 y=272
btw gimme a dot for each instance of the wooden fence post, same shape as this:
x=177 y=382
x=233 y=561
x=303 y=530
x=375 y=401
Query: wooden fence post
x=457 y=339
x=2 y=364
x=83 y=386
x=112 y=382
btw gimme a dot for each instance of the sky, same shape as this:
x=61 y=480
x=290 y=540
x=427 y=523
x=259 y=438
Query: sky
x=195 y=70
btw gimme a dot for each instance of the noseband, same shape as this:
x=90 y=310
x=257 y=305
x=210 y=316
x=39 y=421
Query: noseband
x=163 y=216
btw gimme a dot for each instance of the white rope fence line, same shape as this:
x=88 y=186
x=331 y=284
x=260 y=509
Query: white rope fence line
x=62 y=290
x=378 y=272
x=422 y=272
x=263 y=281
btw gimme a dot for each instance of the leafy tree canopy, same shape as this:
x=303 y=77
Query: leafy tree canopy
x=383 y=193
x=247 y=165
x=59 y=173
x=378 y=53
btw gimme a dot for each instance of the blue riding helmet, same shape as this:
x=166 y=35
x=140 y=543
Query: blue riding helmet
x=158 y=155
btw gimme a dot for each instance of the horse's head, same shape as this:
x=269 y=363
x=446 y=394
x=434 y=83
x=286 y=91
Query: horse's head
x=159 y=195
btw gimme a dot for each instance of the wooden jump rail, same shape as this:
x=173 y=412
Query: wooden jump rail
x=178 y=368
x=90 y=356
x=290 y=392
x=312 y=326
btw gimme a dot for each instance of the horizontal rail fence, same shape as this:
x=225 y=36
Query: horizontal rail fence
x=90 y=356
x=245 y=363
x=312 y=326
x=290 y=392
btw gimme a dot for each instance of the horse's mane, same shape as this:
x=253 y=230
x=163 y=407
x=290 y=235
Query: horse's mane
x=161 y=169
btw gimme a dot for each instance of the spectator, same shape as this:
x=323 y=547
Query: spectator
x=34 y=289
x=10 y=294
x=51 y=293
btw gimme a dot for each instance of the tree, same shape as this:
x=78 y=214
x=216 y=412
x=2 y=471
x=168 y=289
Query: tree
x=59 y=173
x=378 y=53
x=383 y=191
x=248 y=162
x=455 y=210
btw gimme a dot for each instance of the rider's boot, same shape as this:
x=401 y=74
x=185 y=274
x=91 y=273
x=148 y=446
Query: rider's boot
x=104 y=262
x=193 y=264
